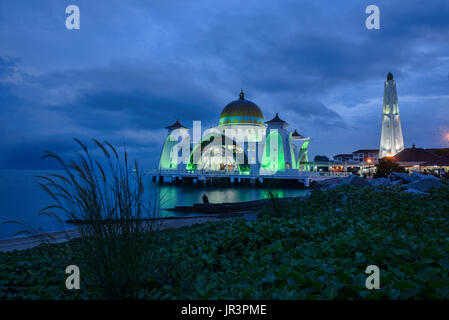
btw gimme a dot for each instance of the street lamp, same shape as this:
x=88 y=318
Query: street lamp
x=369 y=160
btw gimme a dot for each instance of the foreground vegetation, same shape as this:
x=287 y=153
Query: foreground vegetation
x=315 y=248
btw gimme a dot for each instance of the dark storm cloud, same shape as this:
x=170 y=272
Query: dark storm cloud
x=138 y=66
x=127 y=96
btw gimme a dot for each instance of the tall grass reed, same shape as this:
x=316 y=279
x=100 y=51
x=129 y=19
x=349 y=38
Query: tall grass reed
x=116 y=221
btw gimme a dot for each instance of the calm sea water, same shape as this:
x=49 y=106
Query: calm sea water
x=21 y=198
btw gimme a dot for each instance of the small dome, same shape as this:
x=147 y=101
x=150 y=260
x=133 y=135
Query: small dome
x=176 y=125
x=296 y=135
x=241 y=111
x=276 y=119
x=389 y=76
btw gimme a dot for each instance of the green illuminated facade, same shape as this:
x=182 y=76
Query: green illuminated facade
x=273 y=155
x=165 y=161
x=243 y=143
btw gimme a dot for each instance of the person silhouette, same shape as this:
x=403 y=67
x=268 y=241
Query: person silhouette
x=205 y=199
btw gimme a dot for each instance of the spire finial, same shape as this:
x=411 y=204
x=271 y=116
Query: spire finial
x=242 y=94
x=390 y=76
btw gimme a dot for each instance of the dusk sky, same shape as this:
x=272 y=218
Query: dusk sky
x=135 y=67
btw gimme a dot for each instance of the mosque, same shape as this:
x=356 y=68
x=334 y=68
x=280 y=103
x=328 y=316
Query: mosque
x=243 y=143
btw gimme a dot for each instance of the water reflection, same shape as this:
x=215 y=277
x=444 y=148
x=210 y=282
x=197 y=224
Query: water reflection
x=181 y=195
x=22 y=198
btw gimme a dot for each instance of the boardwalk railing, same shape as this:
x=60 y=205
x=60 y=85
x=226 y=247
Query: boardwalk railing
x=288 y=174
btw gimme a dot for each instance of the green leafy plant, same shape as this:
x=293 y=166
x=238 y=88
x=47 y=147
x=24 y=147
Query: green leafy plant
x=318 y=249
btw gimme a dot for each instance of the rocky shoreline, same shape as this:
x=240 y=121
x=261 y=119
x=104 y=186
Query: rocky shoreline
x=413 y=183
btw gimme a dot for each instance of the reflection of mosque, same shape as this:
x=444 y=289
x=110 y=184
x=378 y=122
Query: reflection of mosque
x=267 y=148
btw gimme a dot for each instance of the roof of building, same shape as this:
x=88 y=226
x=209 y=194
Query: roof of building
x=414 y=154
x=241 y=111
x=175 y=125
x=348 y=155
x=297 y=135
x=439 y=151
x=276 y=119
x=443 y=161
x=367 y=151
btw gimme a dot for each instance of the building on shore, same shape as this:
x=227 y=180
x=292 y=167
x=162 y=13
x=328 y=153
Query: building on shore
x=243 y=143
x=365 y=155
x=343 y=157
x=391 y=140
x=358 y=156
x=359 y=161
x=363 y=161
x=431 y=160
x=423 y=160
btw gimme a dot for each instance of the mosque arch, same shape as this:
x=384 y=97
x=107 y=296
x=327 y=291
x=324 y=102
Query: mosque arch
x=218 y=155
x=273 y=162
x=292 y=151
x=166 y=161
x=303 y=159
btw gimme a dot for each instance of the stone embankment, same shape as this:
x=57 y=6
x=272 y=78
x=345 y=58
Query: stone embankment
x=414 y=183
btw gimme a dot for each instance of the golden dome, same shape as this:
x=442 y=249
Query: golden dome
x=241 y=111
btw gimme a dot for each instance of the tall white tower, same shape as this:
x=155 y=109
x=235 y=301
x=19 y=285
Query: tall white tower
x=391 y=140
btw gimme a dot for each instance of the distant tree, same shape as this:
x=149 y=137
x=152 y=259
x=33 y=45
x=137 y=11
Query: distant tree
x=443 y=152
x=321 y=159
x=387 y=166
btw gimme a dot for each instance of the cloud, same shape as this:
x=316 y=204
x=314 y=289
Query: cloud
x=138 y=66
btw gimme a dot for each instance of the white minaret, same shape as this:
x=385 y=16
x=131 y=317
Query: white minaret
x=391 y=140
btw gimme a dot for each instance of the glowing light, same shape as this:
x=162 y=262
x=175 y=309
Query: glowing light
x=269 y=161
x=369 y=160
x=391 y=140
x=389 y=155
